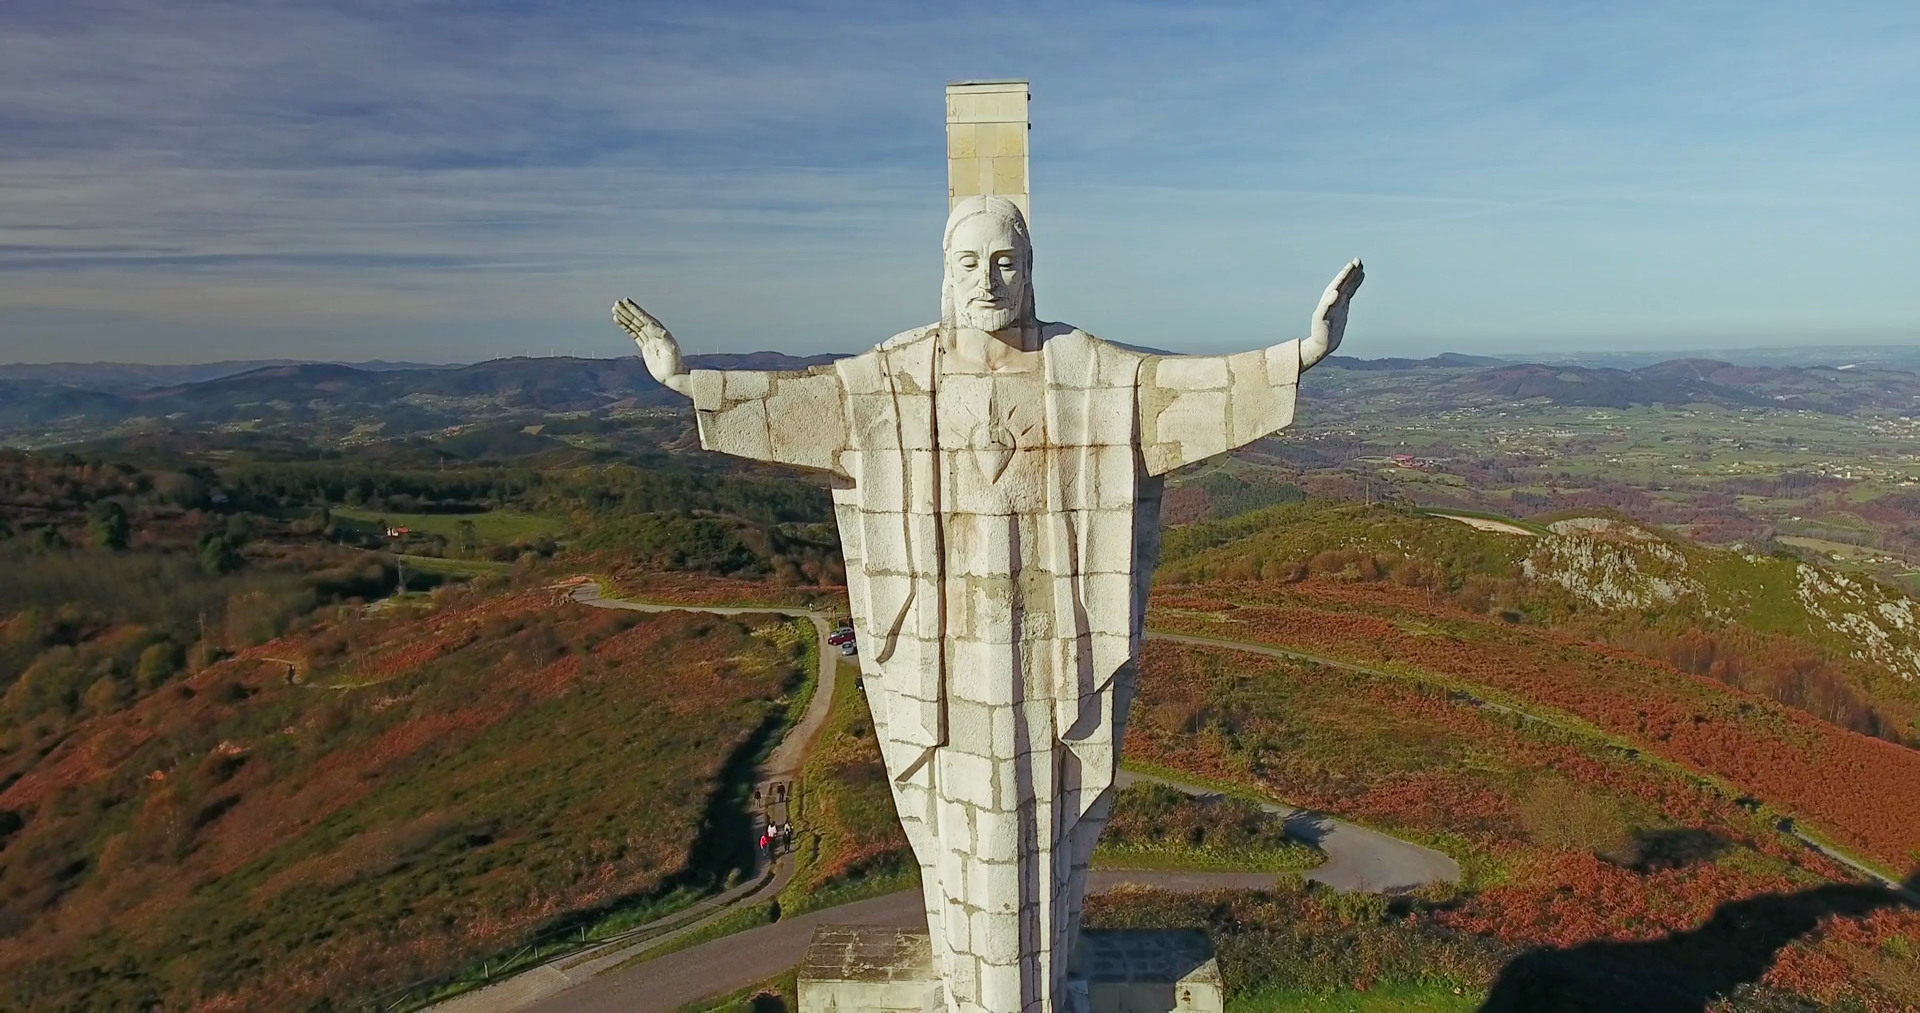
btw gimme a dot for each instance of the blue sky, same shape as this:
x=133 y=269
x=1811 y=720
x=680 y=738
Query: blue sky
x=450 y=181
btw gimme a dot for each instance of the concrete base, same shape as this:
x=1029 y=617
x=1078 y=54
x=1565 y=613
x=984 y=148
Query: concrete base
x=876 y=970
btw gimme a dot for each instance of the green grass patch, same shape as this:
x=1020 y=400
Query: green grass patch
x=740 y=919
x=496 y=526
x=1437 y=997
x=1154 y=826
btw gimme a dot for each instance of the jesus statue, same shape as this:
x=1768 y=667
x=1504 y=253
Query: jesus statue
x=997 y=484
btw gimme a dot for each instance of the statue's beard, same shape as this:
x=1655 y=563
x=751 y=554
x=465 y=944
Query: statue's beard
x=989 y=318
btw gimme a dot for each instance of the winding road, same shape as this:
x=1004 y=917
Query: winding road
x=595 y=981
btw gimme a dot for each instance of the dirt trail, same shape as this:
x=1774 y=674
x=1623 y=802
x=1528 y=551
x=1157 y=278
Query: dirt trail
x=1489 y=524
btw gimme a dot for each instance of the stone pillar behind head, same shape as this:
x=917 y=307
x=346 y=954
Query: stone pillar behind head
x=987 y=132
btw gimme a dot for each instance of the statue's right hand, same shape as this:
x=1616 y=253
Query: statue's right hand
x=657 y=347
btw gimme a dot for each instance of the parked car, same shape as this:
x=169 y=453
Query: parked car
x=847 y=650
x=841 y=637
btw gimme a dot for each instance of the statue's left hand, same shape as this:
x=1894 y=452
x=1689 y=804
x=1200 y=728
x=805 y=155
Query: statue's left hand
x=1330 y=318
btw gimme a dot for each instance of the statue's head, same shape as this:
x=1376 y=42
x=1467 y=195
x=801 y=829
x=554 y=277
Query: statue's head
x=989 y=265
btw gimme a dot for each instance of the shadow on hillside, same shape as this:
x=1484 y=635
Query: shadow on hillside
x=1682 y=972
x=724 y=852
x=726 y=845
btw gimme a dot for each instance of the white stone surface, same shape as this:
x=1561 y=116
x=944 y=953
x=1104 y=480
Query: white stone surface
x=879 y=970
x=997 y=487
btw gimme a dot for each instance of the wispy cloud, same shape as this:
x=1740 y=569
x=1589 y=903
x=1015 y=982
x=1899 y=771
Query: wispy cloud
x=458 y=179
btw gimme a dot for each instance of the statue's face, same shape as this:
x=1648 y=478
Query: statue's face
x=987 y=272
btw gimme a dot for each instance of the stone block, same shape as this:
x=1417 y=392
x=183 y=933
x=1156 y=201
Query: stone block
x=994 y=886
x=1181 y=372
x=970 y=727
x=996 y=938
x=1010 y=140
x=962 y=140
x=1102 y=478
x=705 y=387
x=1093 y=416
x=1013 y=782
x=869 y=970
x=1283 y=363
x=742 y=384
x=963 y=177
x=1108 y=589
x=976 y=544
x=1010 y=175
x=995 y=833
x=987 y=102
x=965 y=777
x=1106 y=541
x=740 y=430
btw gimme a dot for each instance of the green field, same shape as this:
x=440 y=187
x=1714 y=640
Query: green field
x=500 y=526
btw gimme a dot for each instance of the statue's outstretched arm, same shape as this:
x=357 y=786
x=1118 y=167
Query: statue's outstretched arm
x=796 y=418
x=1195 y=406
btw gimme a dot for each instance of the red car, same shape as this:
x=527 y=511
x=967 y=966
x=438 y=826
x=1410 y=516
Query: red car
x=841 y=637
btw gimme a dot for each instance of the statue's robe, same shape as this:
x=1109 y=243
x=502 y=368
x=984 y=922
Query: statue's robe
x=1002 y=783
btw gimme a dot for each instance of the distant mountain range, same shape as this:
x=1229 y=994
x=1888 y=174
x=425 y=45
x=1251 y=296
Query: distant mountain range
x=1692 y=381
x=403 y=397
x=1904 y=357
x=115 y=376
x=53 y=404
x=1445 y=360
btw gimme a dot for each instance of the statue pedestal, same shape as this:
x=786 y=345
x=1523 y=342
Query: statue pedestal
x=869 y=970
x=882 y=970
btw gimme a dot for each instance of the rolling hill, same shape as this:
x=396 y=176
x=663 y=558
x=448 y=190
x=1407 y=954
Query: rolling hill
x=402 y=398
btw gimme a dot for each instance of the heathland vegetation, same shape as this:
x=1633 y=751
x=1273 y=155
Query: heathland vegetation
x=226 y=780
x=1615 y=731
x=348 y=809
x=243 y=764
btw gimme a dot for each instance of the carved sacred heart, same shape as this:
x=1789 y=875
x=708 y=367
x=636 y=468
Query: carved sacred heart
x=1002 y=441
